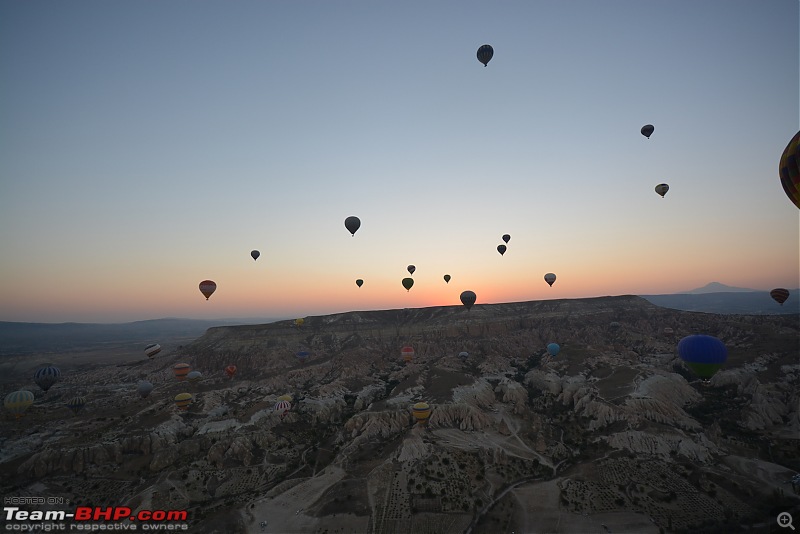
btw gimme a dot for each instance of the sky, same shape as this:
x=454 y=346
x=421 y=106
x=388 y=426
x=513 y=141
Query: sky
x=147 y=146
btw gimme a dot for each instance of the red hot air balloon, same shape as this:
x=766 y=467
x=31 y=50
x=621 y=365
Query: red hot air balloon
x=779 y=295
x=207 y=288
x=230 y=371
x=407 y=353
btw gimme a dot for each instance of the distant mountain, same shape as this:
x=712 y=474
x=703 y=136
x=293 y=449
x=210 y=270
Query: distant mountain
x=27 y=338
x=736 y=301
x=716 y=287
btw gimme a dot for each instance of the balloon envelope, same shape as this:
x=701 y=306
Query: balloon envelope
x=468 y=299
x=76 y=404
x=485 y=53
x=183 y=400
x=407 y=353
x=181 y=370
x=408 y=283
x=662 y=189
x=144 y=388
x=779 y=295
x=359 y=282
x=352 y=224
x=207 y=288
x=463 y=355
x=299 y=322
x=421 y=412
x=647 y=130
x=506 y=238
x=447 y=278
x=152 y=350
x=501 y=249
x=789 y=170
x=553 y=349
x=255 y=254
x=550 y=278
x=282 y=407
x=18 y=402
x=194 y=376
x=230 y=370
x=411 y=269
x=46 y=377
x=703 y=354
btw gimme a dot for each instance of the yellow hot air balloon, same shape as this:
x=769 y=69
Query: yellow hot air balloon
x=299 y=322
x=18 y=402
x=183 y=400
x=421 y=412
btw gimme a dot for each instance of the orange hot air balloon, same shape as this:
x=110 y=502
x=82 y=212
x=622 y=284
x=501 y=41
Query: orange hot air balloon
x=421 y=412
x=181 y=370
x=407 y=353
x=230 y=371
x=183 y=400
x=207 y=288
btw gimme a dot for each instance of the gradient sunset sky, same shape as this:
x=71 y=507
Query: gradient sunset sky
x=146 y=146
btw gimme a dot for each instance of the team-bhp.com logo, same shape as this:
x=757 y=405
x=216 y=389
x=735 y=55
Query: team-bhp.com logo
x=94 y=518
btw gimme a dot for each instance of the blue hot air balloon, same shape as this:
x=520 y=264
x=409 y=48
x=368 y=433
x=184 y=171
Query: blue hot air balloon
x=703 y=354
x=553 y=349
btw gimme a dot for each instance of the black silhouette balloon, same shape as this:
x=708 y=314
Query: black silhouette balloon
x=485 y=53
x=501 y=249
x=352 y=224
x=447 y=278
x=468 y=299
x=647 y=130
x=408 y=283
x=411 y=269
x=506 y=238
x=359 y=282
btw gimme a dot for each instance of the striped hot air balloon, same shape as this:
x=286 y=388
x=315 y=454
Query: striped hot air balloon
x=421 y=412
x=779 y=295
x=76 y=404
x=194 y=376
x=282 y=407
x=46 y=377
x=407 y=353
x=18 y=402
x=183 y=400
x=181 y=370
x=152 y=350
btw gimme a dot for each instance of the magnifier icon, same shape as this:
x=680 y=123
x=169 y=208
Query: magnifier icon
x=785 y=520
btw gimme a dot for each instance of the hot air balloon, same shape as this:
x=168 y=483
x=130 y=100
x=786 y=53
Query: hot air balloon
x=302 y=355
x=230 y=371
x=352 y=224
x=553 y=349
x=408 y=283
x=647 y=130
x=779 y=295
x=506 y=238
x=194 y=376
x=255 y=254
x=18 y=402
x=282 y=407
x=411 y=269
x=463 y=355
x=485 y=53
x=144 y=388
x=359 y=282
x=76 y=404
x=207 y=288
x=668 y=331
x=46 y=377
x=181 y=370
x=299 y=322
x=703 y=354
x=501 y=249
x=614 y=325
x=468 y=299
x=447 y=279
x=421 y=412
x=183 y=400
x=285 y=397
x=789 y=170
x=550 y=278
x=662 y=189
x=152 y=350
x=407 y=353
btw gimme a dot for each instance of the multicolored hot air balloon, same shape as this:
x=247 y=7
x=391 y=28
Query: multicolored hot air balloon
x=18 y=402
x=553 y=349
x=468 y=299
x=421 y=412
x=207 y=288
x=76 y=404
x=407 y=353
x=302 y=355
x=662 y=189
x=408 y=283
x=501 y=249
x=194 y=376
x=144 y=388
x=704 y=355
x=647 y=130
x=779 y=295
x=230 y=371
x=152 y=350
x=282 y=407
x=485 y=53
x=359 y=282
x=447 y=279
x=789 y=170
x=46 y=377
x=255 y=254
x=352 y=224
x=183 y=400
x=550 y=278
x=181 y=370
